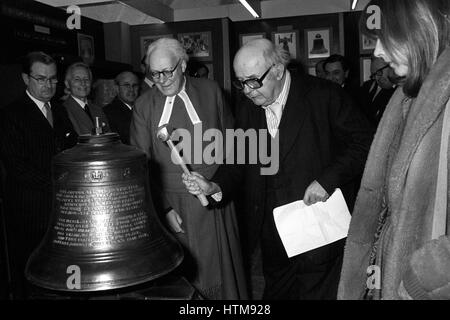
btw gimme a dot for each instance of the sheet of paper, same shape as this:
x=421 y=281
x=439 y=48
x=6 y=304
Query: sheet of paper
x=303 y=228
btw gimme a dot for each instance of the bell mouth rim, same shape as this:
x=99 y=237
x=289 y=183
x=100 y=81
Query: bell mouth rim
x=91 y=287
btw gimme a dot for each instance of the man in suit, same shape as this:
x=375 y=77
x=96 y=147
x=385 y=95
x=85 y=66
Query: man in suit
x=82 y=113
x=376 y=92
x=119 y=111
x=33 y=130
x=337 y=70
x=308 y=115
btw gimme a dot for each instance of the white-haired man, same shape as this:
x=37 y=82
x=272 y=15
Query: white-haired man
x=82 y=113
x=213 y=261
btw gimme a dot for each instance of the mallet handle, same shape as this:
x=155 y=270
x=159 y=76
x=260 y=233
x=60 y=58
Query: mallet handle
x=180 y=160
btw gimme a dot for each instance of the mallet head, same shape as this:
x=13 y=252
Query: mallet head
x=163 y=134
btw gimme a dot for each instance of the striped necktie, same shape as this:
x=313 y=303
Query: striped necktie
x=48 y=113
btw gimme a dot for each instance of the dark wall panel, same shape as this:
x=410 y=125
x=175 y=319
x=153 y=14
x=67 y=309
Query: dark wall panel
x=299 y=23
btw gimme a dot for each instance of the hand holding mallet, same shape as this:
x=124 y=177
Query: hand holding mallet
x=164 y=135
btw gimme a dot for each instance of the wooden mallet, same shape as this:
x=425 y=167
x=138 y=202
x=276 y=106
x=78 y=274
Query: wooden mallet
x=164 y=135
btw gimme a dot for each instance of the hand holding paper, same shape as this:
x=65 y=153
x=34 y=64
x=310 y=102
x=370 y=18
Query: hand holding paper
x=303 y=228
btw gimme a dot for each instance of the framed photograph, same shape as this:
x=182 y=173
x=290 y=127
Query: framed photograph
x=244 y=38
x=364 y=67
x=86 y=48
x=366 y=44
x=147 y=40
x=288 y=40
x=197 y=44
x=318 y=43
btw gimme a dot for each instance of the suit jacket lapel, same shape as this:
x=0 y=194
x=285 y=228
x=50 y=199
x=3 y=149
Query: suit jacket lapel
x=293 y=116
x=78 y=114
x=36 y=115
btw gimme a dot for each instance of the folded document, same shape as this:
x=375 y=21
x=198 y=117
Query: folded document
x=303 y=228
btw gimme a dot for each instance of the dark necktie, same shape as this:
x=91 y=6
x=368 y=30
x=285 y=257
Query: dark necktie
x=373 y=92
x=48 y=113
x=86 y=109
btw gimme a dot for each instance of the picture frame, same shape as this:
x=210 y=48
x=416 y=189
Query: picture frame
x=366 y=44
x=246 y=37
x=197 y=44
x=288 y=40
x=86 y=48
x=318 y=43
x=312 y=71
x=147 y=40
x=364 y=68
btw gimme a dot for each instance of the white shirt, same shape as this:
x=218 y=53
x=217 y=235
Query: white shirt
x=80 y=102
x=39 y=103
x=277 y=107
x=130 y=107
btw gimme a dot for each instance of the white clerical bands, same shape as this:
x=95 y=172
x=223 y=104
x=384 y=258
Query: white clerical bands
x=168 y=106
x=167 y=112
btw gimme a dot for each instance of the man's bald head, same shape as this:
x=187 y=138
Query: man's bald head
x=252 y=61
x=126 y=75
x=380 y=72
x=261 y=51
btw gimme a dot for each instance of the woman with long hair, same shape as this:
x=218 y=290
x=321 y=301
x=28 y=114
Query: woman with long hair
x=398 y=245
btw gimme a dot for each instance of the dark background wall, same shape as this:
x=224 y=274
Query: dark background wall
x=300 y=23
x=19 y=20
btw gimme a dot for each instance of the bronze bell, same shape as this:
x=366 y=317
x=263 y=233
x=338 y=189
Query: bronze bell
x=104 y=233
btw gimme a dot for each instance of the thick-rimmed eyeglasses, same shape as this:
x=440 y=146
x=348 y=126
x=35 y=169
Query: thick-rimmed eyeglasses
x=379 y=72
x=129 y=86
x=156 y=75
x=42 y=80
x=252 y=83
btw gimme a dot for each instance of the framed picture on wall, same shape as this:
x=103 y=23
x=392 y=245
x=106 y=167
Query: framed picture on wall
x=244 y=38
x=366 y=44
x=86 y=48
x=318 y=43
x=147 y=40
x=197 y=44
x=288 y=40
x=364 y=67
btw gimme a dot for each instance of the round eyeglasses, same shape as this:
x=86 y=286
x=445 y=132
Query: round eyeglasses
x=379 y=72
x=156 y=75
